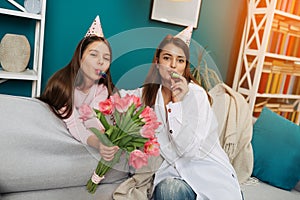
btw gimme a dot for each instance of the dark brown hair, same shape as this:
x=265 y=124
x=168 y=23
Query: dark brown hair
x=59 y=90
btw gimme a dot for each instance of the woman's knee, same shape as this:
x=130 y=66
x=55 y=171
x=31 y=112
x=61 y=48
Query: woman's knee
x=175 y=189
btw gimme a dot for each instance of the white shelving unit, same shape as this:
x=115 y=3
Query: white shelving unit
x=257 y=57
x=31 y=74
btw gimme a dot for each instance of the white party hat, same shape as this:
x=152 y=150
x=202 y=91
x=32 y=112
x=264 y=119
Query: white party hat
x=185 y=35
x=95 y=28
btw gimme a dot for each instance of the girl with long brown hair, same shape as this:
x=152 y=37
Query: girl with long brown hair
x=82 y=84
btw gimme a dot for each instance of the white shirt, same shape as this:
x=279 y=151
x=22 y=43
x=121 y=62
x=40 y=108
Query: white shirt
x=189 y=144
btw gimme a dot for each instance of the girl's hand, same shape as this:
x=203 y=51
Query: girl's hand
x=107 y=153
x=179 y=87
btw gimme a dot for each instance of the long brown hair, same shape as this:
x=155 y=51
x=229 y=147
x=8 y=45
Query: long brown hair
x=59 y=90
x=153 y=79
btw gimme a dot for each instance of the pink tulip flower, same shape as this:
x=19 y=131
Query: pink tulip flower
x=151 y=147
x=136 y=101
x=121 y=104
x=86 y=112
x=138 y=159
x=147 y=131
x=106 y=107
x=148 y=115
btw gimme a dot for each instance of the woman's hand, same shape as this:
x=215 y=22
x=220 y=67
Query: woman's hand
x=107 y=153
x=179 y=87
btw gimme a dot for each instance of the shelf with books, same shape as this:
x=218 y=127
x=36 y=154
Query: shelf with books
x=280 y=77
x=284 y=37
x=277 y=77
x=268 y=66
x=287 y=108
x=288 y=6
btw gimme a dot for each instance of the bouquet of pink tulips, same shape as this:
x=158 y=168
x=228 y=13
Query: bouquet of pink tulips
x=133 y=131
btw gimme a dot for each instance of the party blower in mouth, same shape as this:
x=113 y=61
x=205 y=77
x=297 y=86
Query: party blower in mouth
x=174 y=75
x=102 y=74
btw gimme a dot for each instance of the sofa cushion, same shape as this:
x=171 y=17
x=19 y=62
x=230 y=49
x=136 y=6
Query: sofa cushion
x=276 y=143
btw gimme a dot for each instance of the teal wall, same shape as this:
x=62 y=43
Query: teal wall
x=133 y=36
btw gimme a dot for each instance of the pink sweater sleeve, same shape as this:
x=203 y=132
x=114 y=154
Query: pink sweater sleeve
x=78 y=128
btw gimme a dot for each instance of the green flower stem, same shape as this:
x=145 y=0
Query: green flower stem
x=104 y=122
x=132 y=124
x=127 y=117
x=102 y=168
x=125 y=140
x=130 y=110
x=134 y=128
x=137 y=114
x=133 y=133
x=126 y=127
x=114 y=134
x=117 y=117
x=120 y=137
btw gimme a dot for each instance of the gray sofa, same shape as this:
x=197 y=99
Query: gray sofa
x=40 y=160
x=263 y=191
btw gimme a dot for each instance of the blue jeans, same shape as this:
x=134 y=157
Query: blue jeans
x=173 y=189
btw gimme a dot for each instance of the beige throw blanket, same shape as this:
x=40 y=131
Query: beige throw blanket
x=139 y=186
x=235 y=126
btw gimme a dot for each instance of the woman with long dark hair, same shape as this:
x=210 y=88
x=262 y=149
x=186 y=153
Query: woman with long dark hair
x=194 y=165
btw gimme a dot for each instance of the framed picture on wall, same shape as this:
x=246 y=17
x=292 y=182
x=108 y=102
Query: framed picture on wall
x=180 y=12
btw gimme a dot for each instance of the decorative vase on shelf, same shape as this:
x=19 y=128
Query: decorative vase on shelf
x=33 y=6
x=14 y=52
